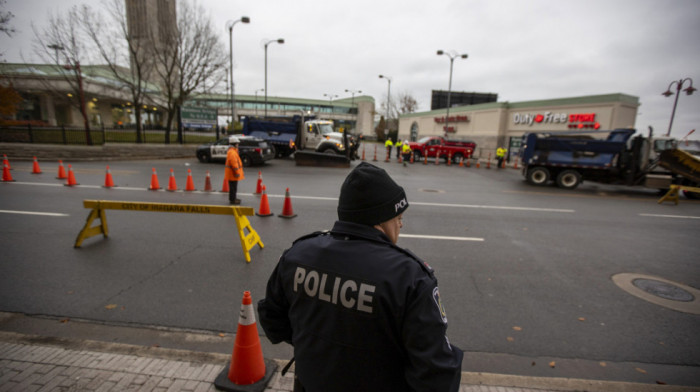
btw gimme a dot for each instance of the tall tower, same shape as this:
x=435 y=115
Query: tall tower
x=152 y=24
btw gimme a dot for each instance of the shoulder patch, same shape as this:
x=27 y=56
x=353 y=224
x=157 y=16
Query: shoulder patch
x=438 y=303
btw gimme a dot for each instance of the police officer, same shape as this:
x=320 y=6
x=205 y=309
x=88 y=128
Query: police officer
x=362 y=313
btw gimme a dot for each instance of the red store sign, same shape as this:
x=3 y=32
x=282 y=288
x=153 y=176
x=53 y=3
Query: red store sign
x=577 y=120
x=453 y=119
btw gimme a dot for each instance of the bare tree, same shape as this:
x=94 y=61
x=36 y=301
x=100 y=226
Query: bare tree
x=61 y=43
x=127 y=54
x=189 y=58
x=407 y=104
x=5 y=18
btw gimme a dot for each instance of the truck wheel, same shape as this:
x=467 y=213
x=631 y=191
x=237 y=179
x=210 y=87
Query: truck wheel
x=538 y=175
x=568 y=179
x=416 y=154
x=246 y=161
x=457 y=157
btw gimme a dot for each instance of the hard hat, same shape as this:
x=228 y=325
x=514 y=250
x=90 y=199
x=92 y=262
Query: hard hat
x=233 y=140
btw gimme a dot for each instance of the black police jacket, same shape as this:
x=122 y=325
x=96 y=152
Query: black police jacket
x=362 y=314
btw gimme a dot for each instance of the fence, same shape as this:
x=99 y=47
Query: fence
x=100 y=136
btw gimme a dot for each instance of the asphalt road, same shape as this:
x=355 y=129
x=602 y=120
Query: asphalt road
x=525 y=272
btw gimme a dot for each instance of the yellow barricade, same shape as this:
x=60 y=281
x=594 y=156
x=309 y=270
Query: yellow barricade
x=672 y=194
x=248 y=240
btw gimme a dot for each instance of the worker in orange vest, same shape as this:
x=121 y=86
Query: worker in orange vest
x=234 y=169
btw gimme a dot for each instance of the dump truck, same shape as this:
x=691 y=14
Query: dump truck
x=571 y=158
x=290 y=134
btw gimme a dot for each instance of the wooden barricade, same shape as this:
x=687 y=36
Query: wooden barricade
x=248 y=240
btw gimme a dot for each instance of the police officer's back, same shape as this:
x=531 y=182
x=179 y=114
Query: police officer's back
x=362 y=313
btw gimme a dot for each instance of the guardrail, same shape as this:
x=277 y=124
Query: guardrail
x=248 y=240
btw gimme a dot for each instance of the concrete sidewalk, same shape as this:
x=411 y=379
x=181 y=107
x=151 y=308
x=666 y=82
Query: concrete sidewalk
x=38 y=363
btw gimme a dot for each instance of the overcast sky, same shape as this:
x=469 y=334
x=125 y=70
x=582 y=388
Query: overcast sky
x=522 y=50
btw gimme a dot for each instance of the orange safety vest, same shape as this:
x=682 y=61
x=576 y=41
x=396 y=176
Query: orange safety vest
x=234 y=166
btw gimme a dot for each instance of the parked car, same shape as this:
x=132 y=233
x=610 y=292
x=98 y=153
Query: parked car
x=252 y=150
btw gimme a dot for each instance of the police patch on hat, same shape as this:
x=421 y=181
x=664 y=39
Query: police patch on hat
x=438 y=303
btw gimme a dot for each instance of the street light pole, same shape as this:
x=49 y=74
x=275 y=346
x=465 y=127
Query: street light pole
x=330 y=100
x=352 y=103
x=279 y=41
x=230 y=25
x=256 y=100
x=679 y=84
x=452 y=56
x=388 y=99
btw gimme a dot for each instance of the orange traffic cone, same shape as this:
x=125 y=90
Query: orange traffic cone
x=35 y=167
x=400 y=158
x=411 y=157
x=287 y=211
x=437 y=158
x=469 y=161
x=247 y=368
x=258 y=187
x=189 y=186
x=264 y=209
x=207 y=183
x=425 y=159
x=375 y=153
x=71 y=177
x=61 y=171
x=478 y=164
x=109 y=182
x=363 y=153
x=6 y=176
x=5 y=161
x=461 y=162
x=224 y=186
x=154 y=181
x=172 y=184
x=449 y=159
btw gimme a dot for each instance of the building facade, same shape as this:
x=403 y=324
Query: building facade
x=502 y=124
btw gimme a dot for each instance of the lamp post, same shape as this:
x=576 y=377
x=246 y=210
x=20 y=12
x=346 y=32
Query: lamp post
x=679 y=85
x=388 y=99
x=330 y=100
x=56 y=48
x=230 y=25
x=256 y=100
x=352 y=103
x=452 y=55
x=268 y=42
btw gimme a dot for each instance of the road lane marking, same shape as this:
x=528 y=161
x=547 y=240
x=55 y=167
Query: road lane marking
x=670 y=216
x=441 y=237
x=494 y=207
x=33 y=213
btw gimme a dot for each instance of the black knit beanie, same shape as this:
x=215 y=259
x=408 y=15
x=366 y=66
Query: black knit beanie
x=369 y=196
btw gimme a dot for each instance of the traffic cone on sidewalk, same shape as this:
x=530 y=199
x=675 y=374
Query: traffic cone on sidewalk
x=172 y=184
x=71 y=177
x=61 y=171
x=258 y=187
x=207 y=183
x=109 y=182
x=287 y=211
x=6 y=176
x=264 y=209
x=248 y=370
x=35 y=167
x=154 y=181
x=189 y=186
